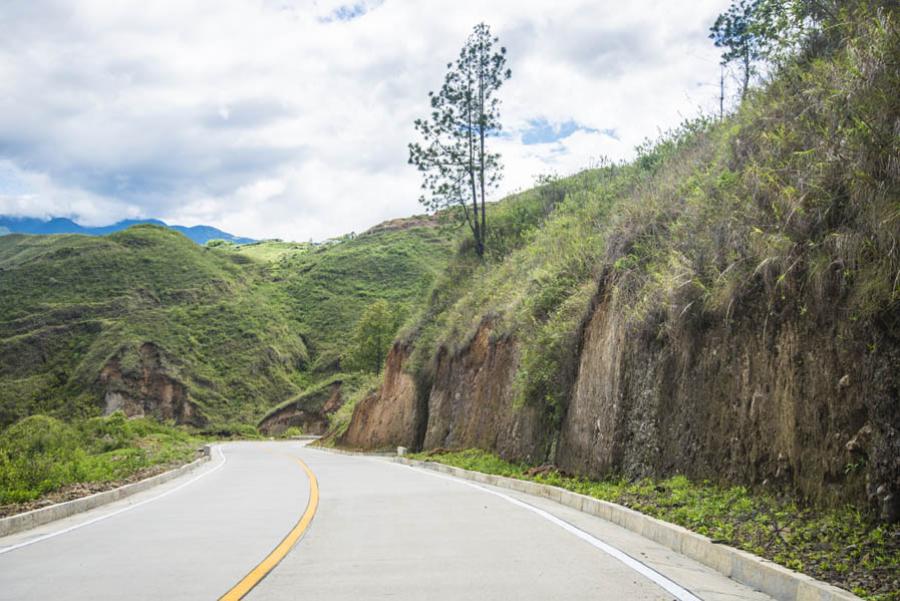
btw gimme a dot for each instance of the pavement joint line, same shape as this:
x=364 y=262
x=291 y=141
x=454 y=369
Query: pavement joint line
x=118 y=511
x=262 y=569
x=667 y=584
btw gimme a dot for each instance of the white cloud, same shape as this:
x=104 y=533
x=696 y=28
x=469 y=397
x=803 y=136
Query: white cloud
x=291 y=118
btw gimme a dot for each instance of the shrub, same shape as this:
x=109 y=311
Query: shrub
x=40 y=454
x=37 y=454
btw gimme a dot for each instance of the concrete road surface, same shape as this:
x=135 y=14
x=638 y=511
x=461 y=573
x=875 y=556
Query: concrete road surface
x=379 y=530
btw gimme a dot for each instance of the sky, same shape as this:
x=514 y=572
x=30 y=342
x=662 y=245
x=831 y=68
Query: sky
x=291 y=118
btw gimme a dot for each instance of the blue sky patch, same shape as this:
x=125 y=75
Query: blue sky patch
x=348 y=12
x=541 y=131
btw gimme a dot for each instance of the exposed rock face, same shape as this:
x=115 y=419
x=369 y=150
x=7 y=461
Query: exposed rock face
x=471 y=402
x=147 y=389
x=307 y=414
x=783 y=400
x=391 y=416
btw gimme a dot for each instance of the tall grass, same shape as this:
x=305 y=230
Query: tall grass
x=790 y=203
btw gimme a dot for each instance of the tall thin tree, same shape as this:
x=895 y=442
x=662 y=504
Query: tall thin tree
x=736 y=33
x=457 y=167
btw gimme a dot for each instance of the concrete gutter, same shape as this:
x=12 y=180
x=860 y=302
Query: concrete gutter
x=748 y=569
x=38 y=517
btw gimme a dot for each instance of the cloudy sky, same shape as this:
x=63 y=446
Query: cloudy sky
x=291 y=118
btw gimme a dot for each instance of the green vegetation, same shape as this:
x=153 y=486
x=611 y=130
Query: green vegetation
x=232 y=431
x=329 y=288
x=269 y=251
x=790 y=203
x=40 y=454
x=72 y=305
x=372 y=337
x=240 y=328
x=292 y=432
x=841 y=546
x=313 y=398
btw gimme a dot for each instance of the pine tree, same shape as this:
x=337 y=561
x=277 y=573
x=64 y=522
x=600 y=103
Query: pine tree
x=457 y=167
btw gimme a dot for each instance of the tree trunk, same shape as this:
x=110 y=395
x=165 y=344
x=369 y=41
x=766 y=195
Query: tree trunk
x=481 y=134
x=479 y=235
x=722 y=93
x=746 y=75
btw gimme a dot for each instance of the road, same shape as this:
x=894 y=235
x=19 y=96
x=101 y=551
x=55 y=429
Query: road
x=367 y=529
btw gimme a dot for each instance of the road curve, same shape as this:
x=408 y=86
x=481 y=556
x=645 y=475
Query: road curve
x=381 y=530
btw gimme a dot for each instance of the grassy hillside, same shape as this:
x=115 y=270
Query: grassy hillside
x=70 y=304
x=792 y=200
x=41 y=455
x=145 y=313
x=328 y=287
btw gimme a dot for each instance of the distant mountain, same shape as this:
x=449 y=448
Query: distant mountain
x=201 y=234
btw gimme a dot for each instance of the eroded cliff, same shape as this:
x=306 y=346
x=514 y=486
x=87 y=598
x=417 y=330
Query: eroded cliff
x=146 y=387
x=770 y=398
x=390 y=416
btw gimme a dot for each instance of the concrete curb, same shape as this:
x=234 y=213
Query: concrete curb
x=38 y=517
x=748 y=569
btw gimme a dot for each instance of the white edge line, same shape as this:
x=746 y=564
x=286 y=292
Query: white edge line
x=666 y=583
x=118 y=511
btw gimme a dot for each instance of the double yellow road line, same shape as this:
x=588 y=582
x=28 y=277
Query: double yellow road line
x=268 y=564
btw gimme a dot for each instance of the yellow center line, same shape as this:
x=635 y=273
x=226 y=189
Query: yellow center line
x=268 y=564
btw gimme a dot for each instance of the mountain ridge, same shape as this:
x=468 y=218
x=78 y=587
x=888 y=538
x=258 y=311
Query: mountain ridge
x=200 y=234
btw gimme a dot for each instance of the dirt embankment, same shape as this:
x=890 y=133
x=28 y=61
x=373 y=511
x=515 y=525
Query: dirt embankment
x=468 y=402
x=809 y=404
x=769 y=398
x=391 y=416
x=146 y=388
x=472 y=402
x=309 y=413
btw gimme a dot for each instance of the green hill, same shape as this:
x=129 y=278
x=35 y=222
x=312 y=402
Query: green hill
x=146 y=321
x=725 y=306
x=328 y=288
